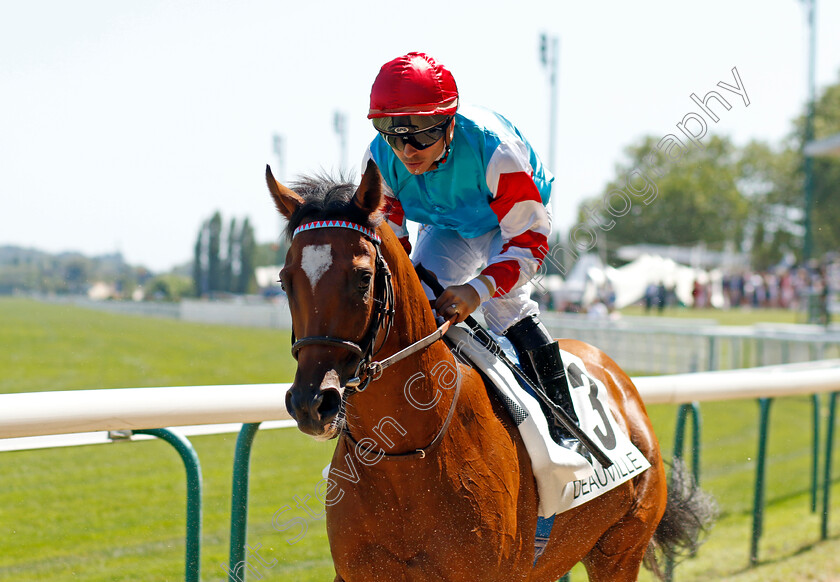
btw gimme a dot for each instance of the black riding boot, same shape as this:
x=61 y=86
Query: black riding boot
x=539 y=356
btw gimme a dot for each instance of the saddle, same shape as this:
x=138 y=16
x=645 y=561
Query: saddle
x=565 y=479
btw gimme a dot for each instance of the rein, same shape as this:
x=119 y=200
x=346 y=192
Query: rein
x=373 y=370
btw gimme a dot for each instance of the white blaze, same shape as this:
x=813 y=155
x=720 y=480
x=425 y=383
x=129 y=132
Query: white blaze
x=316 y=260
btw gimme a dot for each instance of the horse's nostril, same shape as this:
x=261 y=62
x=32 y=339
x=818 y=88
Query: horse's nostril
x=330 y=404
x=290 y=405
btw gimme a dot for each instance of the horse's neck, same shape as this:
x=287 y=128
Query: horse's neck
x=413 y=317
x=407 y=405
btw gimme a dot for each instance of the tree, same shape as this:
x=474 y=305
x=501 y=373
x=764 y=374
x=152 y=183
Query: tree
x=768 y=179
x=169 y=287
x=233 y=273
x=281 y=248
x=826 y=172
x=199 y=280
x=214 y=262
x=265 y=255
x=657 y=198
x=76 y=272
x=231 y=261
x=247 y=255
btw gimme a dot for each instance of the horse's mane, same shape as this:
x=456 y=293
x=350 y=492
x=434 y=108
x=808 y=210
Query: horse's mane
x=327 y=198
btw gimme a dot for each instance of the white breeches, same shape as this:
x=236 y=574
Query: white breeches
x=455 y=260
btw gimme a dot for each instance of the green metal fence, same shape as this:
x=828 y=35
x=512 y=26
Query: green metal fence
x=684 y=439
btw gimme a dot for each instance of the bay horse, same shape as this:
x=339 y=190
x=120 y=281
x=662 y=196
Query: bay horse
x=430 y=479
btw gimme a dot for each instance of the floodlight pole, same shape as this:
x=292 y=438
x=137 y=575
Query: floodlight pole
x=808 y=243
x=549 y=57
x=279 y=151
x=340 y=126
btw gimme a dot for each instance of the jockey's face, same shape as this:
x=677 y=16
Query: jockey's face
x=420 y=161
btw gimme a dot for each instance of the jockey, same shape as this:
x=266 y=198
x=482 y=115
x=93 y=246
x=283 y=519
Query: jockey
x=480 y=193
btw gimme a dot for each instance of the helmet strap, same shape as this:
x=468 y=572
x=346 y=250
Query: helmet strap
x=445 y=154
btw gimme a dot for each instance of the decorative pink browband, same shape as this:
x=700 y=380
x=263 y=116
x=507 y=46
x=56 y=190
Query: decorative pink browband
x=338 y=224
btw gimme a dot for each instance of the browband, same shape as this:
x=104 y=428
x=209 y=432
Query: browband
x=368 y=232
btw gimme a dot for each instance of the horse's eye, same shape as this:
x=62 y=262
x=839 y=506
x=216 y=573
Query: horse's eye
x=364 y=282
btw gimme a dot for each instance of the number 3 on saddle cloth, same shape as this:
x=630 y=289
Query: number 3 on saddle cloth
x=564 y=478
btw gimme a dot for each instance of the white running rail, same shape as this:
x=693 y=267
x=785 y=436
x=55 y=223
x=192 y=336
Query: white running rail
x=75 y=411
x=81 y=411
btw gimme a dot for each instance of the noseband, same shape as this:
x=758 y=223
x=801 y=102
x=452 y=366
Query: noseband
x=383 y=309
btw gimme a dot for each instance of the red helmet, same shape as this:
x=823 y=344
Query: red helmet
x=413 y=84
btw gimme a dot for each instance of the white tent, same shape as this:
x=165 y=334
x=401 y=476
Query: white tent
x=632 y=280
x=267 y=277
x=582 y=282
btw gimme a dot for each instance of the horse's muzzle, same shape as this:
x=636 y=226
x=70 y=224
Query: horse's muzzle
x=316 y=407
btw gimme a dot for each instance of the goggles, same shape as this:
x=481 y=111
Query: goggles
x=399 y=131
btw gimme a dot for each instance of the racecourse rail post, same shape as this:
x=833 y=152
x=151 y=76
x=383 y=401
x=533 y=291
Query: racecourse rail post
x=679 y=437
x=829 y=449
x=760 y=472
x=188 y=455
x=239 y=501
x=815 y=453
x=679 y=449
x=713 y=358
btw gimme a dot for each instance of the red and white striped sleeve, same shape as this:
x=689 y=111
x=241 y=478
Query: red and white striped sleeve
x=395 y=216
x=392 y=209
x=523 y=219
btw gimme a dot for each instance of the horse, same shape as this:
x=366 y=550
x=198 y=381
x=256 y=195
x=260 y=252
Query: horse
x=430 y=479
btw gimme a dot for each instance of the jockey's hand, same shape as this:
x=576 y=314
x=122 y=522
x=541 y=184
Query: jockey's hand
x=457 y=302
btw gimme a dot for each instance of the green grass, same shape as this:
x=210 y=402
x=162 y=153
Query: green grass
x=58 y=347
x=741 y=316
x=116 y=512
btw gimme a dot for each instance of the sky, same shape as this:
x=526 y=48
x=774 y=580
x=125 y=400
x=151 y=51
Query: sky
x=124 y=125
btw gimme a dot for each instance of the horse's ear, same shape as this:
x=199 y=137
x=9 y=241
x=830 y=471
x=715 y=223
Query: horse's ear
x=285 y=199
x=369 y=194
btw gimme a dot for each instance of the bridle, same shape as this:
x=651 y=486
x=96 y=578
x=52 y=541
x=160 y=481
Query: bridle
x=382 y=320
x=383 y=310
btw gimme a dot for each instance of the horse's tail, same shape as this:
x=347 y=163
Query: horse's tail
x=689 y=513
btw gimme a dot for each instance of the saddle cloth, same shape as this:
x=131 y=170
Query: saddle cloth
x=564 y=478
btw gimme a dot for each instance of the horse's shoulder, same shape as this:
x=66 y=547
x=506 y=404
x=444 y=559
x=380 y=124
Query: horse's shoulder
x=479 y=386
